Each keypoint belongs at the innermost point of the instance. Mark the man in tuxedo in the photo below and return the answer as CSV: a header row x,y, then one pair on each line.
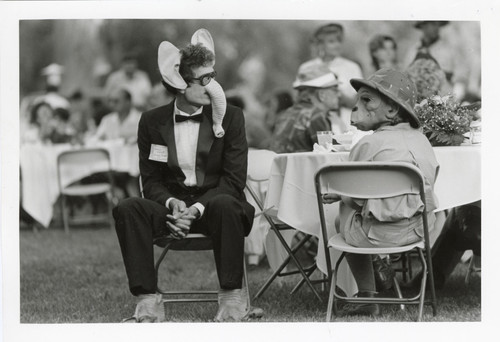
x,y
193,183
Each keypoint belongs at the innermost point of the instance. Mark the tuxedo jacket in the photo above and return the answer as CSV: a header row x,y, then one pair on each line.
x,y
221,163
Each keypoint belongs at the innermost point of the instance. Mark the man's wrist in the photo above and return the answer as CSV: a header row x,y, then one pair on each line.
x,y
200,209
168,202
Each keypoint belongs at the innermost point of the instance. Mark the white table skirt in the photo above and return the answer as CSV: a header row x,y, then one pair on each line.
x,y
292,195
39,173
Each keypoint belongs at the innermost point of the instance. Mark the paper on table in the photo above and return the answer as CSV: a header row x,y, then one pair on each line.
x,y
330,148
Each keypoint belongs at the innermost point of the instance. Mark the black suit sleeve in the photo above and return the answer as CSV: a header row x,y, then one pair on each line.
x,y
151,171
234,160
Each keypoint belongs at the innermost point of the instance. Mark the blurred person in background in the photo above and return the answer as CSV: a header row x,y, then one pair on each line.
x,y
38,127
383,52
276,105
448,59
461,232
258,136
159,96
122,123
98,109
428,77
327,41
48,125
52,78
80,118
130,77
316,109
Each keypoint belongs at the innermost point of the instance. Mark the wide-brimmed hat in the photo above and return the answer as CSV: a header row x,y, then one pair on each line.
x,y
395,85
315,76
419,24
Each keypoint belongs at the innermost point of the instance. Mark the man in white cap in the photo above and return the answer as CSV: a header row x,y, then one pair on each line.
x,y
327,41
129,76
316,109
193,178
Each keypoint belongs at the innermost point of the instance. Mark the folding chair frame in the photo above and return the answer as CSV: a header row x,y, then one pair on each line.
x,y
192,242
198,242
109,194
423,251
276,228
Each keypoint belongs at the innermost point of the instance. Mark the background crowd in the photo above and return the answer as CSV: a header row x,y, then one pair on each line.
x,y
111,68
92,79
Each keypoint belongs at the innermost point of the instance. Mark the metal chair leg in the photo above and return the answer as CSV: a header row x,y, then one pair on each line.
x,y
404,266
158,263
331,299
422,286
431,280
245,283
64,212
109,197
309,271
397,289
291,256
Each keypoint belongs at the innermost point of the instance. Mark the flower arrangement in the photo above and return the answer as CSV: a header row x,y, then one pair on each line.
x,y
443,120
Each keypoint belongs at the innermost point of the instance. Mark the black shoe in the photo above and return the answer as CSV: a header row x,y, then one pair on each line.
x,y
362,309
384,274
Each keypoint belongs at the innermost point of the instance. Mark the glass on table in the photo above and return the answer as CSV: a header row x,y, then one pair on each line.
x,y
324,138
475,132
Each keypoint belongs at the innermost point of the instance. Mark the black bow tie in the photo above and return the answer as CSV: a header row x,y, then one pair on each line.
x,y
182,118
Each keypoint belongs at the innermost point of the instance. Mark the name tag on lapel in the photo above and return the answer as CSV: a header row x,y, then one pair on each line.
x,y
159,153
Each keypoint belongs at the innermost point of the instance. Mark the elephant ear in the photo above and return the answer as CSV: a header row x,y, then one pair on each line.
x,y
169,60
203,37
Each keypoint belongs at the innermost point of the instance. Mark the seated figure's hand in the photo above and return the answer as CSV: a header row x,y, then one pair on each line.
x,y
179,223
177,206
330,198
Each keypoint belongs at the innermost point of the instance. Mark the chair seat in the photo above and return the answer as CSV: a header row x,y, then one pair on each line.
x,y
87,189
337,242
192,242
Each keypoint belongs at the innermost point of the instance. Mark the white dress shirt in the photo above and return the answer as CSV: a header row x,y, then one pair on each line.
x,y
186,142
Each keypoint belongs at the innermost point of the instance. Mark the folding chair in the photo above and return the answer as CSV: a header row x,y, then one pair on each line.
x,y
259,164
365,180
192,242
68,162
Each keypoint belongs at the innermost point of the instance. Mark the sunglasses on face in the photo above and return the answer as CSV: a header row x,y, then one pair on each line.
x,y
205,79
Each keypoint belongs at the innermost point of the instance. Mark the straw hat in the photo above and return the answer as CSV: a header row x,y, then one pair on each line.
x,y
315,76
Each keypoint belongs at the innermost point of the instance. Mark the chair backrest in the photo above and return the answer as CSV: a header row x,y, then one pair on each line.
x,y
369,179
259,166
365,180
73,161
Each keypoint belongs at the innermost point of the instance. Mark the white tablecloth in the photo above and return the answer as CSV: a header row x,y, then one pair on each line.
x,y
39,173
292,197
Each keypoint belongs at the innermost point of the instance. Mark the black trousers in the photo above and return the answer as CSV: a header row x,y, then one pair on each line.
x,y
138,221
461,232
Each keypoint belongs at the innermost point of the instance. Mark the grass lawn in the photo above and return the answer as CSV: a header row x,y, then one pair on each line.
x,y
80,278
